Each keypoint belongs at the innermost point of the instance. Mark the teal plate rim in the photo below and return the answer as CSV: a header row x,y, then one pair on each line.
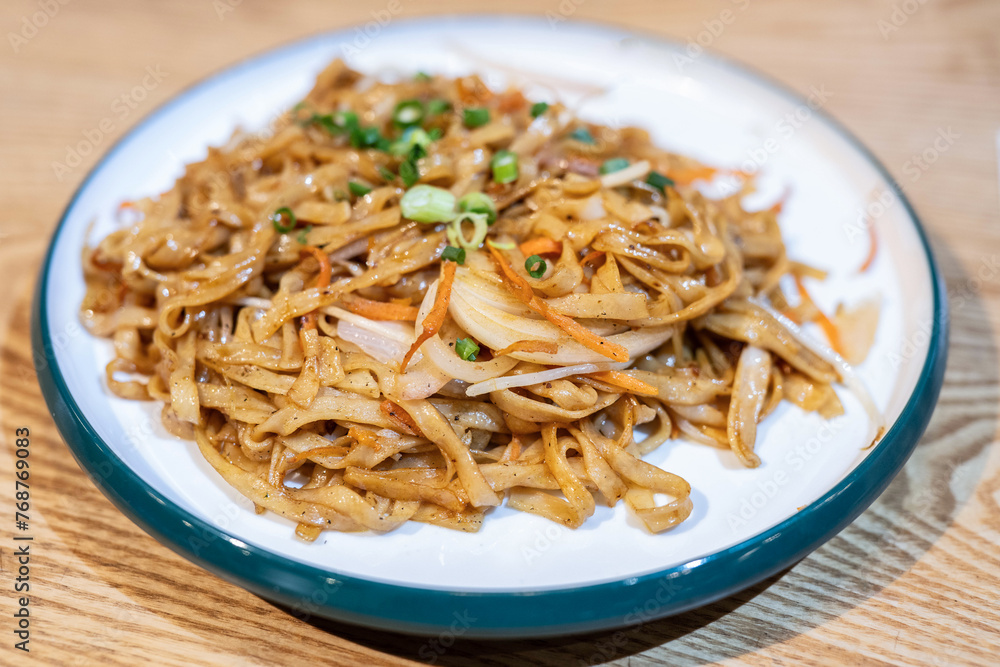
x,y
310,591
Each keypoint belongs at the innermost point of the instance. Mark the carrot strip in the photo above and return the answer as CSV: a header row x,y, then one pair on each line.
x,y
581,334
625,381
322,280
325,270
543,346
435,318
380,310
872,248
592,257
399,416
824,322
541,246
692,174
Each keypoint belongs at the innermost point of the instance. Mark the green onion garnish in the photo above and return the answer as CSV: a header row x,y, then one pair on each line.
x,y
421,76
476,117
284,213
539,266
345,119
614,164
582,135
538,108
408,112
659,181
358,189
438,106
453,254
478,202
365,137
408,172
301,238
413,138
435,133
504,165
466,348
456,231
426,203
386,174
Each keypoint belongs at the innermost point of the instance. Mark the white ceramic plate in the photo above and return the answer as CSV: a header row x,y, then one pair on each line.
x,y
522,575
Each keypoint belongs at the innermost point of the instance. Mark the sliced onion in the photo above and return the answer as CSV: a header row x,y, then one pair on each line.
x,y
474,311
525,379
593,209
382,341
626,175
446,359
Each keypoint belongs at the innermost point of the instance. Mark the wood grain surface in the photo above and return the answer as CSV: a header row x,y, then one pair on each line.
x,y
915,580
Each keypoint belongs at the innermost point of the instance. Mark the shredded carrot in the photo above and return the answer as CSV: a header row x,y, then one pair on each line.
x,y
592,257
400,417
692,174
322,280
872,247
325,270
543,346
824,322
331,450
513,450
363,437
520,287
512,100
625,381
435,318
380,310
541,246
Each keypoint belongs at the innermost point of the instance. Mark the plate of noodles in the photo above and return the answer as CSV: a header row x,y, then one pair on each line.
x,y
418,336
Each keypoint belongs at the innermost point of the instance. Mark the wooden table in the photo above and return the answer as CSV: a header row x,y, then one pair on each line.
x,y
916,579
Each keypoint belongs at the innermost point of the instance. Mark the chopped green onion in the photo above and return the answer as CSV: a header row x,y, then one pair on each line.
x,y
412,138
301,238
435,133
386,174
614,164
365,137
466,349
358,189
281,213
345,119
453,254
659,181
426,203
478,202
408,112
538,108
300,105
456,232
502,245
408,172
504,165
476,117
421,76
582,135
438,106
538,263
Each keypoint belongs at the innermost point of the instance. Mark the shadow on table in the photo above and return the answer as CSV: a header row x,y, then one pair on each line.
x,y
879,547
